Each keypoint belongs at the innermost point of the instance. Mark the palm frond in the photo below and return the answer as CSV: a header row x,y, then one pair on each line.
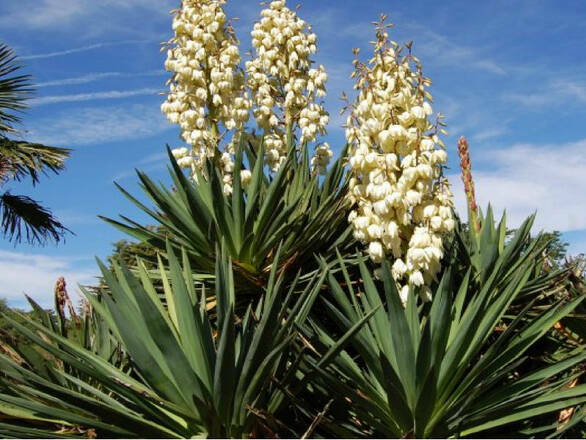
x,y
24,218
15,90
19,160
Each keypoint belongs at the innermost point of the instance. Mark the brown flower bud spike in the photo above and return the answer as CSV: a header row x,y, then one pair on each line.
x,y
466,167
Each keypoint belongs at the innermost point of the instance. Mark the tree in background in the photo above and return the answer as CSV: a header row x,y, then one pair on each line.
x,y
23,218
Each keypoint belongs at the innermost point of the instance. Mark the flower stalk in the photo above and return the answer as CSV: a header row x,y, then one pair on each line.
x,y
466,169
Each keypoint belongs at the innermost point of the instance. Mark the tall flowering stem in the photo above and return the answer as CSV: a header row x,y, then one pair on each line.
x,y
284,86
466,168
207,96
402,204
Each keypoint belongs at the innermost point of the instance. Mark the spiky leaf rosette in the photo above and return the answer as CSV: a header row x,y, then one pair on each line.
x,y
458,367
198,370
306,215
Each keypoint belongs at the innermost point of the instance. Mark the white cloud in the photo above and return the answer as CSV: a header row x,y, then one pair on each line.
x,y
429,45
526,178
70,217
572,88
93,77
466,115
83,49
58,14
149,169
112,94
154,158
434,46
528,99
443,51
152,162
85,79
557,92
488,134
44,13
36,274
87,126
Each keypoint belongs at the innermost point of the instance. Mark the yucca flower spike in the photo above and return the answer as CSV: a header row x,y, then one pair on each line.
x,y
285,86
402,202
207,96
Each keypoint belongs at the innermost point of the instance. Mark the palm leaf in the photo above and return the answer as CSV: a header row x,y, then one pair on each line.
x,y
15,90
24,159
25,219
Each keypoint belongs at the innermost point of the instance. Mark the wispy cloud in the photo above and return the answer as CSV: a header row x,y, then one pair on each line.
x,y
528,99
153,158
70,218
113,94
150,168
93,77
575,89
444,51
525,178
88,126
429,44
83,49
16,269
469,114
560,92
52,14
489,134
153,162
40,14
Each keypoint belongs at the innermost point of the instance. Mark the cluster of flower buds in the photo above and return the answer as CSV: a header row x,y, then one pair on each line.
x,y
183,157
402,204
321,158
283,83
207,89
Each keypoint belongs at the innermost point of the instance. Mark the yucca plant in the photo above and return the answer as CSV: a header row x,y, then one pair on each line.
x,y
293,209
83,327
480,250
191,374
256,314
457,367
550,283
252,191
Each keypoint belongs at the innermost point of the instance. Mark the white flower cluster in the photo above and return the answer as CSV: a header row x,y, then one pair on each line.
x,y
207,89
321,158
283,83
402,204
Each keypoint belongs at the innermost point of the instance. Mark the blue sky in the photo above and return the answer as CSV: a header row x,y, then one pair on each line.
x,y
510,75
